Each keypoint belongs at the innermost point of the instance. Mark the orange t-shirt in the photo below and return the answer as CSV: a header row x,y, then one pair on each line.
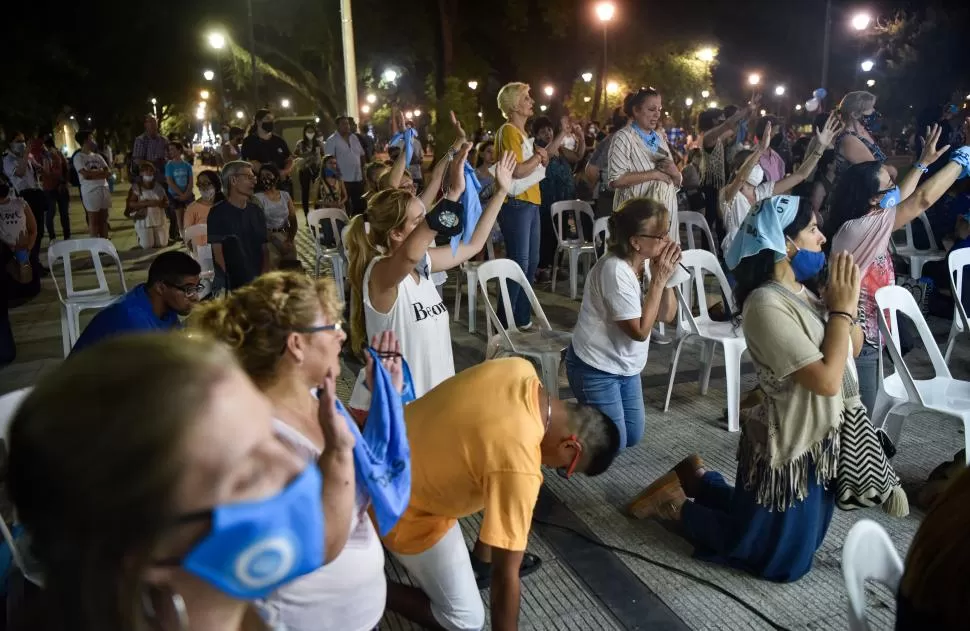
x,y
474,444
197,213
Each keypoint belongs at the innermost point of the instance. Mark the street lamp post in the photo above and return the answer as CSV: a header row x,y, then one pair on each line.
x,y
350,59
604,11
252,54
860,22
218,42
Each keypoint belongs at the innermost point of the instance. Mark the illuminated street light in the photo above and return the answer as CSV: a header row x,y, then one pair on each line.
x,y
867,65
706,54
779,90
365,109
409,115
473,85
285,104
549,90
481,115
217,40
860,21
200,115
871,82
705,94
542,108
372,98
317,119
612,87
754,78
587,99
688,101
587,77
208,75
154,101
389,75
605,11
798,107
712,105
204,94
763,112
417,113
240,114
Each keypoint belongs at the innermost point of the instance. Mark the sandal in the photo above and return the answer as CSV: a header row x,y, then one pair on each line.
x,y
483,570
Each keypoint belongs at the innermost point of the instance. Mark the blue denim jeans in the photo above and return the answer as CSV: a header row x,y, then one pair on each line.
x,y
618,397
867,365
519,222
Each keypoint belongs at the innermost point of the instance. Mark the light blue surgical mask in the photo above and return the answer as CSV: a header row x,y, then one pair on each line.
x,y
891,198
255,547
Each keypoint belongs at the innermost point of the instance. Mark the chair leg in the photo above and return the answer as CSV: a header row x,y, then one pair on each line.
x,y
472,300
573,272
65,332
732,370
673,370
458,295
550,372
916,267
950,343
556,260
707,362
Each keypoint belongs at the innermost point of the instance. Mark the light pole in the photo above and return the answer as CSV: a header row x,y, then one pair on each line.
x,y
350,59
218,42
780,93
604,11
860,22
826,42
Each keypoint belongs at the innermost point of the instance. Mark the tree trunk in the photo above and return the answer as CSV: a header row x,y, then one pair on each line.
x,y
447,17
599,91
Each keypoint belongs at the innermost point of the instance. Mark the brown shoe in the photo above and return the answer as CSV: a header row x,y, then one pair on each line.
x,y
689,471
661,499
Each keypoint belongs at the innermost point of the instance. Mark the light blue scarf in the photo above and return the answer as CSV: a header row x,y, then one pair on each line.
x,y
382,456
650,139
472,205
763,229
408,137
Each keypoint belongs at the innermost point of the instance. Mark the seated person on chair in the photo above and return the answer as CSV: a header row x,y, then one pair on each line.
x,y
171,291
478,441
236,228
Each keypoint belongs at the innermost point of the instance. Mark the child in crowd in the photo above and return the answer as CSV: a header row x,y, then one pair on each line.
x,y
93,174
146,205
178,175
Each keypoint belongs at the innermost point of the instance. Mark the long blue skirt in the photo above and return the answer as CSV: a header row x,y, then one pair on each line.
x,y
726,525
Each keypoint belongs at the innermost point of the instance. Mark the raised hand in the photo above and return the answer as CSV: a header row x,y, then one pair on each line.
x,y
930,153
765,141
336,435
456,172
503,171
543,155
842,291
459,131
388,348
833,127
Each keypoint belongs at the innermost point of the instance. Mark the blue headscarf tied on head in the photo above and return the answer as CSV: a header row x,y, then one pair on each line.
x,y
763,229
651,139
472,206
408,137
382,456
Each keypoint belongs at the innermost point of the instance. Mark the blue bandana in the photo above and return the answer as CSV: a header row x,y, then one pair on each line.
x,y
472,206
382,456
962,157
763,229
407,136
650,139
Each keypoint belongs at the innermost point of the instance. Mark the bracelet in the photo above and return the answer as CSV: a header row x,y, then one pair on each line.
x,y
845,315
922,167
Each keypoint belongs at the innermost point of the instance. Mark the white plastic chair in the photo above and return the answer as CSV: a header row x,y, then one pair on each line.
x,y
574,247
958,261
693,220
916,256
9,403
540,343
899,394
471,280
711,333
335,255
73,301
192,233
868,554
601,236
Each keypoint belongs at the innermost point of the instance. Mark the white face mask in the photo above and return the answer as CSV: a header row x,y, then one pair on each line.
x,y
148,179
756,176
310,135
207,194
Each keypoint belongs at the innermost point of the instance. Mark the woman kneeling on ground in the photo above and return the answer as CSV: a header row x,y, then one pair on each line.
x,y
775,519
612,333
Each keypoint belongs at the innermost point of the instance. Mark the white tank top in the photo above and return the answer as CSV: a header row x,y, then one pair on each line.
x,y
419,318
156,214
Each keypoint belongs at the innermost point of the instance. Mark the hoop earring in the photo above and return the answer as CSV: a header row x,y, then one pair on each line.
x,y
178,608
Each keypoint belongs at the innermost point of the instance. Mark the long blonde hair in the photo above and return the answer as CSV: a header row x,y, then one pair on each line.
x,y
386,211
256,320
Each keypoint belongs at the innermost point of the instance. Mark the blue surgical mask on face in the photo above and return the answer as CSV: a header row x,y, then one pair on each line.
x,y
255,547
806,264
327,172
891,198
871,121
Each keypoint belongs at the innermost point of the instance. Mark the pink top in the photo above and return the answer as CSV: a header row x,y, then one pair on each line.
x,y
773,165
867,240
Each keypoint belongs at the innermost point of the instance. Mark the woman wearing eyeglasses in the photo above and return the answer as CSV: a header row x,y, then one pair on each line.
x,y
641,163
867,207
612,333
285,329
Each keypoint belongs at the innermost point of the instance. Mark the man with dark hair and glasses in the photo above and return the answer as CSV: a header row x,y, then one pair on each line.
x,y
171,291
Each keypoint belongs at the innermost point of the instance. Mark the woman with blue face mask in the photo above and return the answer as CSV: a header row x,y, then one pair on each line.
x,y
858,142
173,503
771,523
867,207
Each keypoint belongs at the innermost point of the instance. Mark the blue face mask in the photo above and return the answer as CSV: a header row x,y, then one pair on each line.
x,y
872,121
891,198
806,265
329,173
255,547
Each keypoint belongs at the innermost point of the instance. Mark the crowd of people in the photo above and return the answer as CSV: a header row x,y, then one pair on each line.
x,y
261,501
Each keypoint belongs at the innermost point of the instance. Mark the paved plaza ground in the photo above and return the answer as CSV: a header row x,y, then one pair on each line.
x,y
582,586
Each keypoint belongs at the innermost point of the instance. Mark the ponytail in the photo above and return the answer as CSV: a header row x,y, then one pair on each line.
x,y
360,252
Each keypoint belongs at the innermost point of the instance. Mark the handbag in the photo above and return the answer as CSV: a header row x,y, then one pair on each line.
x,y
521,185
864,476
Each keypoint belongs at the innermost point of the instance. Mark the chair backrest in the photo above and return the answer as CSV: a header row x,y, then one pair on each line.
x,y
699,263
203,254
95,247
601,235
579,208
958,261
868,554
892,300
691,220
333,215
929,233
505,270
194,232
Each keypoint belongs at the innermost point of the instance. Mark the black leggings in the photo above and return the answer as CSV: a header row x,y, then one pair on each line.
x,y
306,180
